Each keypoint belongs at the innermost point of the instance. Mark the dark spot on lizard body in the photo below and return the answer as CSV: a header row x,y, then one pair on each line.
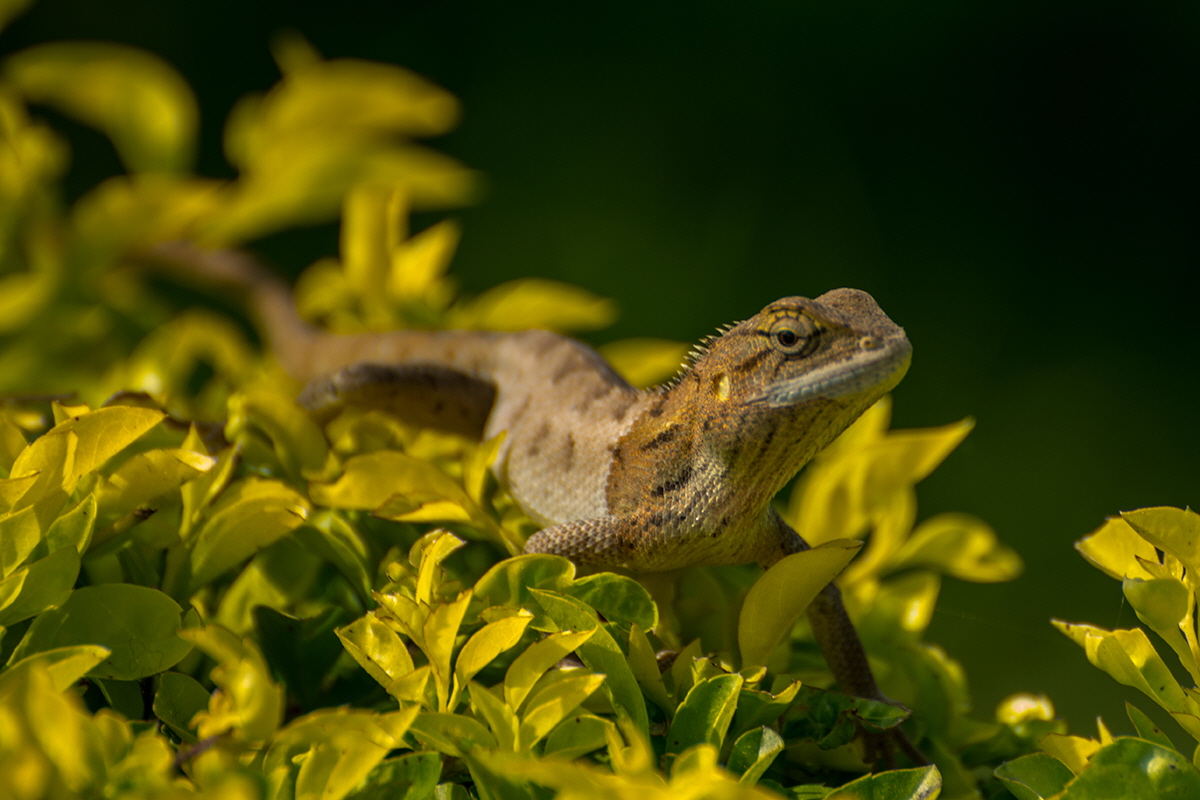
x,y
621,409
535,442
664,436
751,362
656,410
568,452
674,484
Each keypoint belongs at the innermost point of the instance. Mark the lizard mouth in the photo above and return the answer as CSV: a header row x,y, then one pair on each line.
x,y
879,368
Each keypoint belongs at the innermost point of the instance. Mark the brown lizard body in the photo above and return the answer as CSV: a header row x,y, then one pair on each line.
x,y
647,481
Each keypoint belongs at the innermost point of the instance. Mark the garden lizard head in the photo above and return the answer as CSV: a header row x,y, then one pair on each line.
x,y
761,399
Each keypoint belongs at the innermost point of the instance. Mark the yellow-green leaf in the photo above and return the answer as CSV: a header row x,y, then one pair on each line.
x,y
601,654
46,583
499,717
64,665
249,703
781,595
534,303
298,442
147,476
371,479
534,660
1115,548
483,647
440,630
645,669
376,648
1074,751
138,100
453,734
434,547
418,264
551,705
1176,530
137,623
646,362
251,515
19,534
960,545
1130,658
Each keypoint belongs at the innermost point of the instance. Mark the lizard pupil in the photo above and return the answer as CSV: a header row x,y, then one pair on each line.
x,y
786,337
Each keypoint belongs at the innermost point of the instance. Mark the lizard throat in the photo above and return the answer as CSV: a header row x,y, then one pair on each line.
x,y
866,370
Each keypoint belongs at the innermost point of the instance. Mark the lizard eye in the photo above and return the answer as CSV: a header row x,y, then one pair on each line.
x,y
792,335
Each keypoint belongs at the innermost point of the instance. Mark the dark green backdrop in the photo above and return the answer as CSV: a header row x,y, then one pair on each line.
x,y
1015,182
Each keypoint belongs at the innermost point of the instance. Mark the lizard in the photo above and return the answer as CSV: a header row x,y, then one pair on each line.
x,y
639,480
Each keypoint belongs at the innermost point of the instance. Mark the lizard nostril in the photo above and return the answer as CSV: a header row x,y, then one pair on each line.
x,y
869,343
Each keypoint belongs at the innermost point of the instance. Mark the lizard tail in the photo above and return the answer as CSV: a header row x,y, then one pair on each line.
x,y
287,335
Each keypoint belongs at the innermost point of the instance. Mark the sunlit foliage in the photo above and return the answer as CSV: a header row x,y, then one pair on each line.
x,y
204,592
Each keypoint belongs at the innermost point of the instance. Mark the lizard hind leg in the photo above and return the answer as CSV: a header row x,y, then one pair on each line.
x,y
426,395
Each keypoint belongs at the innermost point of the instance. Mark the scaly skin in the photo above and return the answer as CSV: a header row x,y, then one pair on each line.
x,y
645,481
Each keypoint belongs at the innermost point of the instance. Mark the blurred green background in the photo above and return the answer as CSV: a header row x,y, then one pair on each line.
x,y
1016,183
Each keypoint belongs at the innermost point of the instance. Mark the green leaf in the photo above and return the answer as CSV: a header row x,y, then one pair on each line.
x,y
577,735
1133,769
919,783
452,734
331,538
754,752
177,701
145,477
19,534
757,708
482,649
832,719
43,584
298,442
124,697
1145,727
440,631
74,528
138,100
500,717
644,665
601,654
376,648
704,715
782,594
960,545
250,515
618,598
64,665
412,776
1035,776
1163,604
136,623
300,652
510,582
548,707
535,659
434,548
249,704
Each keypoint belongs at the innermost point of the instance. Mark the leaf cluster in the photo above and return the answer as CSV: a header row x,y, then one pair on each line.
x,y
206,592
